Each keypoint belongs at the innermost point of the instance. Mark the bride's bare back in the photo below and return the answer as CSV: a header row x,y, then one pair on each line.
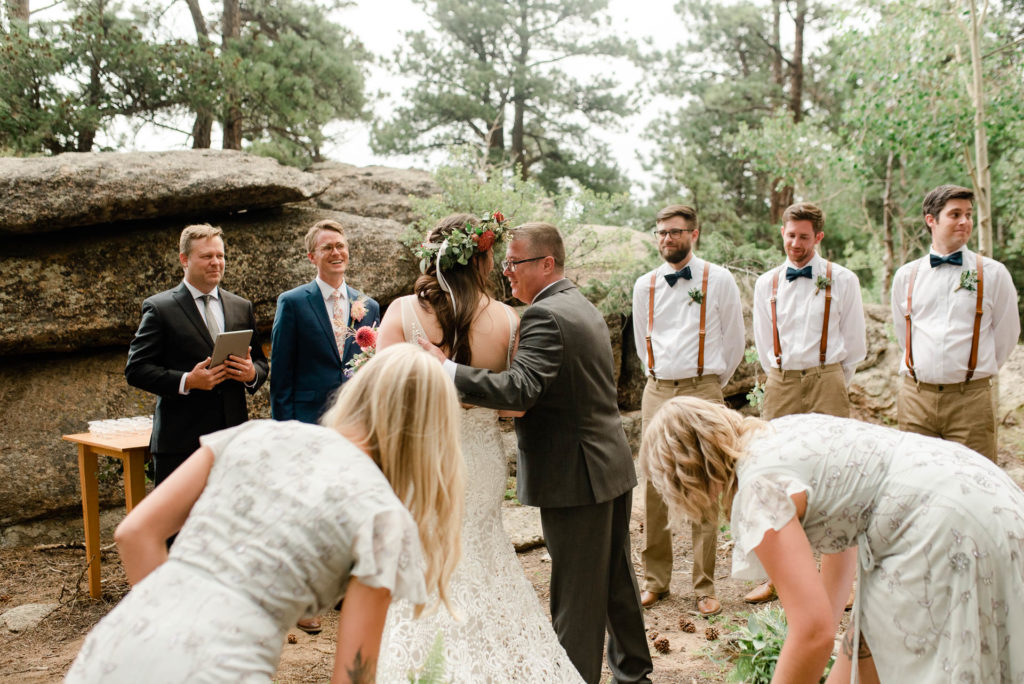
x,y
489,333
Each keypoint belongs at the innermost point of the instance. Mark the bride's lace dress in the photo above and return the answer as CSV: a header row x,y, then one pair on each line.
x,y
504,635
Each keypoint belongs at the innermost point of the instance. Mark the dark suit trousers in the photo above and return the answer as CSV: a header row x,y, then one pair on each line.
x,y
593,586
165,464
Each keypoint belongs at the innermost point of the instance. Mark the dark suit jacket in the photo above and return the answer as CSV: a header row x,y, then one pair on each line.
x,y
307,368
572,449
172,338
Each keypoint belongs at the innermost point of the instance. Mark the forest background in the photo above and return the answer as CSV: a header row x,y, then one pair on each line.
x,y
860,106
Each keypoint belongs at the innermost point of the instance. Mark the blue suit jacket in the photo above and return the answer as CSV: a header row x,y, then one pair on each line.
x,y
304,355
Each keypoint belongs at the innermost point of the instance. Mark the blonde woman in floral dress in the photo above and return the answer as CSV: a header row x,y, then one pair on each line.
x,y
934,531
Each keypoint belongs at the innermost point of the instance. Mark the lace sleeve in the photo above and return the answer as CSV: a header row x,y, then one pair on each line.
x,y
761,504
218,441
387,554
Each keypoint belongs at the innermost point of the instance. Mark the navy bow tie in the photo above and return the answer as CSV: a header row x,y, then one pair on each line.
x,y
794,273
956,258
673,277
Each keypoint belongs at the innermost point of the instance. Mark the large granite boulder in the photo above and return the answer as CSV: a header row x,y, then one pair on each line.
x,y
46,194
373,191
86,290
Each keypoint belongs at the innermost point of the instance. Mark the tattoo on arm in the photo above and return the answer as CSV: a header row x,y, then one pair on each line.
x,y
847,645
362,671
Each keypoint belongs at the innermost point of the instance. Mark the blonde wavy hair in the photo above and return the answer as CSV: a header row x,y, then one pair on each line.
x,y
689,454
403,411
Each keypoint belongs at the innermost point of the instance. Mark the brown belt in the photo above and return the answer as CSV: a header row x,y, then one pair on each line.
x,y
693,382
813,370
947,387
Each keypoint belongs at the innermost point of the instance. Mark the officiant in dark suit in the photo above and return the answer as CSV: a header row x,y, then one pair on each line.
x,y
169,355
310,342
574,461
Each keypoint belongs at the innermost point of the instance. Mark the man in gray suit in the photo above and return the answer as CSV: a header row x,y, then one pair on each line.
x,y
574,462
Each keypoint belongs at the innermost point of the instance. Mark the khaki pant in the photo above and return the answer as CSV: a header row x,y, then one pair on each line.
x,y
657,553
821,389
961,412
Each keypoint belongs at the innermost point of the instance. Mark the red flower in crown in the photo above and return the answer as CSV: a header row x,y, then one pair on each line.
x,y
366,337
486,241
498,216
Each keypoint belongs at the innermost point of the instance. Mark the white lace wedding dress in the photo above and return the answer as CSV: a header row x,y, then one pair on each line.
x,y
504,635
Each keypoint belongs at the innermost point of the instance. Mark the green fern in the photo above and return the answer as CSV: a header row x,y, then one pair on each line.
x,y
432,671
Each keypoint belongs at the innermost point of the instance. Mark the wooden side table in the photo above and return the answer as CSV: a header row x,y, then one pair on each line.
x,y
132,449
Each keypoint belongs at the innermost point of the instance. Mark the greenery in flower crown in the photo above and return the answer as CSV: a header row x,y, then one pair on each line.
x,y
464,243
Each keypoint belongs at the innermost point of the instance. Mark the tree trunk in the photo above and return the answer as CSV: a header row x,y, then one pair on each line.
x,y
777,43
518,96
982,177
202,128
18,10
231,30
889,257
796,82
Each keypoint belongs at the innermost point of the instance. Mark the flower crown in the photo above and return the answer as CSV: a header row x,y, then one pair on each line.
x,y
463,243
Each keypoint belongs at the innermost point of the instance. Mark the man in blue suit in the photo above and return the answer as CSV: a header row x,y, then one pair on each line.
x,y
311,343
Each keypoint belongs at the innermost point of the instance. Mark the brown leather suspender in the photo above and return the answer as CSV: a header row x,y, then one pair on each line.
x,y
972,361
775,319
703,310
978,309
828,305
909,356
650,325
703,316
823,347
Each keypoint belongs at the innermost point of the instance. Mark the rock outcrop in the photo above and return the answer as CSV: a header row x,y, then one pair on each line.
x,y
47,194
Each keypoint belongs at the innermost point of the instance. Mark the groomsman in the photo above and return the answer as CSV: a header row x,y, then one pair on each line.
x,y
808,329
688,326
955,315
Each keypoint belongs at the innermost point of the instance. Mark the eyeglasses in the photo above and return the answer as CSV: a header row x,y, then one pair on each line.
x,y
675,233
327,249
509,265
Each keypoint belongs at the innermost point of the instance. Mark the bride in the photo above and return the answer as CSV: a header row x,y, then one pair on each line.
x,y
502,634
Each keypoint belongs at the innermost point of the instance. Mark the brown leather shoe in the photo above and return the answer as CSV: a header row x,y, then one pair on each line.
x,y
763,593
309,625
649,598
708,606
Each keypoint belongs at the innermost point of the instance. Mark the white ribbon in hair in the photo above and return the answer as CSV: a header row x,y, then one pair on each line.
x,y
445,287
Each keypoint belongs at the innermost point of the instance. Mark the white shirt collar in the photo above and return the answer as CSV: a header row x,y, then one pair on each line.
x,y
326,290
197,293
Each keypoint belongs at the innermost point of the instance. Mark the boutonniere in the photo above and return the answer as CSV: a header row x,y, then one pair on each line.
x,y
968,281
822,283
696,295
366,339
359,308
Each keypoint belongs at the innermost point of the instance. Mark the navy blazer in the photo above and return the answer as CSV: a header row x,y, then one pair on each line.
x,y
307,367
172,338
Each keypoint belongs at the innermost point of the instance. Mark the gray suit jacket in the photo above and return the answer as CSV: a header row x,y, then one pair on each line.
x,y
572,449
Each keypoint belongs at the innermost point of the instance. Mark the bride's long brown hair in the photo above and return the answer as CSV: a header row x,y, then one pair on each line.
x,y
467,283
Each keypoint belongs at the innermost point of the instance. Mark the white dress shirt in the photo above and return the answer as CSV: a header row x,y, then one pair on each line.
x,y
326,290
942,317
675,338
800,312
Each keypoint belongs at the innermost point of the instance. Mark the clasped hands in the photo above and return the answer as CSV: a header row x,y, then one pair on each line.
x,y
234,368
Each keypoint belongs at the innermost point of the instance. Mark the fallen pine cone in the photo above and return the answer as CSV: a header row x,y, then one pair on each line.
x,y
292,639
686,624
662,646
711,633
652,634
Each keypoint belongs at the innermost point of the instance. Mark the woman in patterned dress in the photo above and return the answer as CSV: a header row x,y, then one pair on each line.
x,y
934,531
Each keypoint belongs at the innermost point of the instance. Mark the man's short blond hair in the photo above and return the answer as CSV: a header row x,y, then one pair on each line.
x,y
313,233
542,239
198,231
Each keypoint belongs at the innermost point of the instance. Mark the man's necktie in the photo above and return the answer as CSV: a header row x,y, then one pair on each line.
x,y
673,277
794,273
211,320
956,258
338,322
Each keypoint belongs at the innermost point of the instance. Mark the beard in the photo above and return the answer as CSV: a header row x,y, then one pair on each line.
x,y
674,256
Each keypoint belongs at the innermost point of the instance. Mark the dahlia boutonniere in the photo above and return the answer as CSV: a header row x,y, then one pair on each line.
x,y
359,308
822,283
366,338
968,281
696,295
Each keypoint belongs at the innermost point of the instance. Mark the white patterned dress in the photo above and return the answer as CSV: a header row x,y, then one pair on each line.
x,y
289,513
940,531
504,635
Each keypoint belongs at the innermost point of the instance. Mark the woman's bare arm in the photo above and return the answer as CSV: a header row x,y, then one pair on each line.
x,y
360,626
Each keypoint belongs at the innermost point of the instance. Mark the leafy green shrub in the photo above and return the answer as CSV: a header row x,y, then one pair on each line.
x,y
757,646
